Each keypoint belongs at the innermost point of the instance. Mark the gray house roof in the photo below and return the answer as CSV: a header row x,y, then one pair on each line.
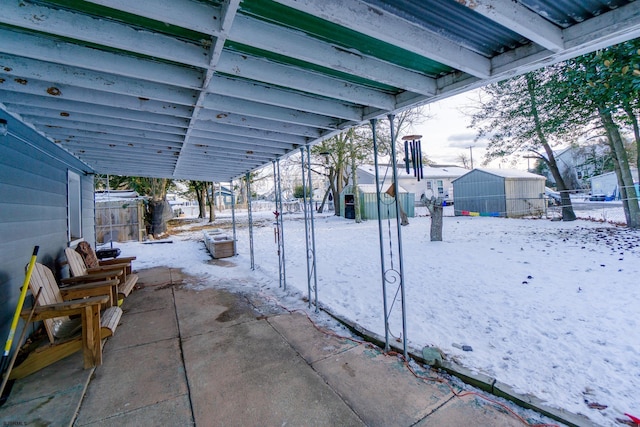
x,y
213,89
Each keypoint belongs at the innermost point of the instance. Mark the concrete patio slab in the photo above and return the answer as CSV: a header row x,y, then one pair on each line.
x,y
147,298
251,376
210,309
145,327
49,397
308,341
172,412
470,411
133,378
379,388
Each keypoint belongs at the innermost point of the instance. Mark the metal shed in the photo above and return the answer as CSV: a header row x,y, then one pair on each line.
x,y
499,192
368,203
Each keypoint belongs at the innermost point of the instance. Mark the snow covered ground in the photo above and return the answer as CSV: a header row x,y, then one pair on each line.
x,y
549,307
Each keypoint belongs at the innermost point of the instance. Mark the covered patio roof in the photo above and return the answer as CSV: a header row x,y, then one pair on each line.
x,y
212,89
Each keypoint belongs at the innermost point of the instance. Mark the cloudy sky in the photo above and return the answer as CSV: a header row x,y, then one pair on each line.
x,y
445,133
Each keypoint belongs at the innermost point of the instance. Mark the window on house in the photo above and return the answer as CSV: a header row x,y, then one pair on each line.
x,y
74,206
429,186
440,187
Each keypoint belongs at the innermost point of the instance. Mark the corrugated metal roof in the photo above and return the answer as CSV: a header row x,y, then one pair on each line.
x,y
213,89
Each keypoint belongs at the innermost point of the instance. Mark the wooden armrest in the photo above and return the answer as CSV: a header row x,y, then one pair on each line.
x,y
121,260
103,275
116,267
109,287
106,284
66,308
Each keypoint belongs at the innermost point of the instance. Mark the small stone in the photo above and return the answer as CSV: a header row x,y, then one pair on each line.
x,y
432,356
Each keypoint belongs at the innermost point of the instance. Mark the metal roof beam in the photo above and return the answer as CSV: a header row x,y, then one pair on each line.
x,y
382,25
281,75
110,141
521,20
201,17
296,44
249,91
89,126
72,55
30,104
115,135
71,93
269,112
48,117
256,123
199,136
238,146
253,133
616,26
30,69
102,32
74,127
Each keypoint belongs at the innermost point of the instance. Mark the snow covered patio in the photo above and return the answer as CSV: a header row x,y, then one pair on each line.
x,y
544,305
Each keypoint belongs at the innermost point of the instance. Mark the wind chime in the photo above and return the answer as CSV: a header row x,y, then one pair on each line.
x,y
413,155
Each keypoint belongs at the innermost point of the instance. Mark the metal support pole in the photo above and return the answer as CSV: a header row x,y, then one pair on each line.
x,y
401,266
379,201
279,225
233,215
309,227
250,214
313,231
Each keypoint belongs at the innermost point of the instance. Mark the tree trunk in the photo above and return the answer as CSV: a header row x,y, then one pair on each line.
x,y
632,210
324,199
336,174
200,189
212,211
567,209
435,209
636,131
160,211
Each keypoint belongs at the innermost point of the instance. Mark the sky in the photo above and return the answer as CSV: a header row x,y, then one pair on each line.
x,y
445,132
547,307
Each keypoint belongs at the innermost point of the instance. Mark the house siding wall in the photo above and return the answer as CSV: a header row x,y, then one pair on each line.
x,y
33,208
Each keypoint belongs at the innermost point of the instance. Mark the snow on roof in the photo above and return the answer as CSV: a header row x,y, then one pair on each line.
x,y
371,188
116,195
429,172
511,173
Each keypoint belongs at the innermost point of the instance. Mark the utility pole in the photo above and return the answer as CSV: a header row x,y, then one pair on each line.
x,y
471,155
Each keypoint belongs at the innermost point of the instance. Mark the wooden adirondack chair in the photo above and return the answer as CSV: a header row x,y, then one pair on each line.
x,y
91,259
81,273
68,335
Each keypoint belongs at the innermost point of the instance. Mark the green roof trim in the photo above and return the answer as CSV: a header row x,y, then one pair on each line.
x,y
273,12
130,19
259,53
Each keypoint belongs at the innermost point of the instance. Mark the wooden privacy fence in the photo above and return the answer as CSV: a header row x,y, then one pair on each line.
x,y
120,221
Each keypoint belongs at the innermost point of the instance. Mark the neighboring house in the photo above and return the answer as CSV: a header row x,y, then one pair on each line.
x,y
578,164
46,200
436,180
369,204
499,192
606,185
